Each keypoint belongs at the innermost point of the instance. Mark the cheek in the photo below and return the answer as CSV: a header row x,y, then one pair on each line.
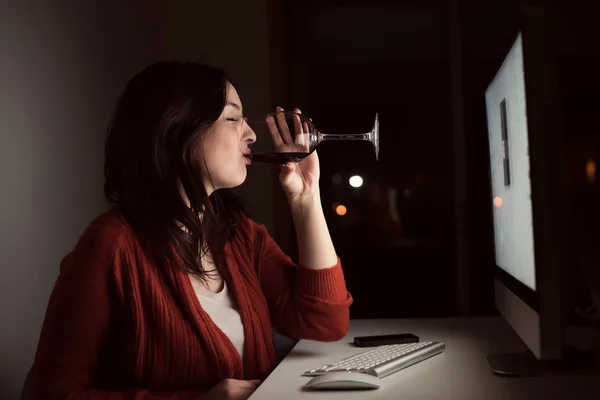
x,y
224,149
232,144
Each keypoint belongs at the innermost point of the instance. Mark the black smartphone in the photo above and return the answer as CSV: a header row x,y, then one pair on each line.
x,y
379,340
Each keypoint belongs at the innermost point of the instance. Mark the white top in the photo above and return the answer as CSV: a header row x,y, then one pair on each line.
x,y
222,309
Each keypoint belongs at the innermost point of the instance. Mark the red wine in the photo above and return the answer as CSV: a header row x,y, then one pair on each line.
x,y
279,158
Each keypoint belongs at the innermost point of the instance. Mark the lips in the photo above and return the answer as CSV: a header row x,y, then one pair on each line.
x,y
248,158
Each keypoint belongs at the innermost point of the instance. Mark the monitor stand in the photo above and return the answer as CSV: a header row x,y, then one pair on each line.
x,y
526,364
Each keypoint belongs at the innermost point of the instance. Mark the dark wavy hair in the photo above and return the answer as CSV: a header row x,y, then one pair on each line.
x,y
153,149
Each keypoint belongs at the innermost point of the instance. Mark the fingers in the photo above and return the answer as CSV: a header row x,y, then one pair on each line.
x,y
249,385
297,122
233,389
280,134
245,389
274,132
283,128
307,141
302,133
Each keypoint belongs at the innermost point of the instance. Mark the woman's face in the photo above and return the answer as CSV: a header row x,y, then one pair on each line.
x,y
225,146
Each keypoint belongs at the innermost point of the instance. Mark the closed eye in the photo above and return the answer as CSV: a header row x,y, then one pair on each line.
x,y
235,119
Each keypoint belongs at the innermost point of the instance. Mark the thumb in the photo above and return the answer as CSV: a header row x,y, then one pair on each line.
x,y
288,166
286,171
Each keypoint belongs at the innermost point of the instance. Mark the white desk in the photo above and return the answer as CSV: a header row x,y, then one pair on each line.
x,y
460,372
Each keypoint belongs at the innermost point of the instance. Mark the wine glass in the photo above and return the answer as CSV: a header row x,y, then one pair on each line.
x,y
287,136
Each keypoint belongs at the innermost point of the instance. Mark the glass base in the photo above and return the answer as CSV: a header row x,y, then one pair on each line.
x,y
375,136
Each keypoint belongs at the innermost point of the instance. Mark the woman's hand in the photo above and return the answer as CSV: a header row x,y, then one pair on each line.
x,y
300,182
300,179
231,389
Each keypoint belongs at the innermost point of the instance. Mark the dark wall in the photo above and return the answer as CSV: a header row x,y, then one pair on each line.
x,y
347,60
359,58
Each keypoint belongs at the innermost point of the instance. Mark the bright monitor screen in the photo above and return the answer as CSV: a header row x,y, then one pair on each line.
x,y
509,169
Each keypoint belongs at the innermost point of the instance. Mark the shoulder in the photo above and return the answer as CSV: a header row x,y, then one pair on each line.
x,y
250,231
251,237
105,236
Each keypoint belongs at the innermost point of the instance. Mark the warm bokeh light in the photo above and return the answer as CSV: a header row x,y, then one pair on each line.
x,y
356,181
341,210
498,201
590,168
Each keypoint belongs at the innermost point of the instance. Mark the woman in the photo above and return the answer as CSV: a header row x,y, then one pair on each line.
x,y
172,294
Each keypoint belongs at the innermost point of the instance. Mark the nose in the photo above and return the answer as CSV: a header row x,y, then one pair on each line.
x,y
249,135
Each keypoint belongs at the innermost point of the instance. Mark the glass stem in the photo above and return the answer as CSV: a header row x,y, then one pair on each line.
x,y
343,136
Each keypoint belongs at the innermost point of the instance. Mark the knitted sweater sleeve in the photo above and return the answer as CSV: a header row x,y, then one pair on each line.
x,y
304,303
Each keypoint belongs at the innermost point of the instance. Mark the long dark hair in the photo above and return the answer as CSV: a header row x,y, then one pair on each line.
x,y
152,150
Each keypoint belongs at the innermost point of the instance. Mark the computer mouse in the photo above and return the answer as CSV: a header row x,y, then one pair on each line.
x,y
343,380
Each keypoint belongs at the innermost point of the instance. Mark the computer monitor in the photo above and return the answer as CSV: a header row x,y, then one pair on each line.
x,y
528,197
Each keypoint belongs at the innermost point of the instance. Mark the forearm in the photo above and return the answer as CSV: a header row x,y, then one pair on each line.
x,y
315,248
308,299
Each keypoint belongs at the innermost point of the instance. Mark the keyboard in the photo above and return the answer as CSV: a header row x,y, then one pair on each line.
x,y
383,360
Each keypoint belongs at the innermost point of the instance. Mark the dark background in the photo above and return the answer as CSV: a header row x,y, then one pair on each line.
x,y
347,60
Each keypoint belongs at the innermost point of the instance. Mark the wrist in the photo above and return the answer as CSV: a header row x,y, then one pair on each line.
x,y
301,206
315,249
